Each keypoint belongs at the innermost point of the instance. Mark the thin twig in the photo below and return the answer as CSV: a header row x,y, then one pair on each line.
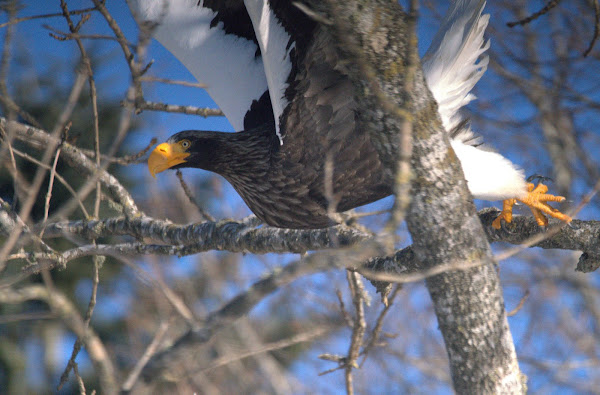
x,y
85,60
265,348
126,159
51,181
358,330
371,342
64,308
58,176
175,300
80,383
148,353
129,58
148,78
8,106
32,316
190,110
45,16
519,305
550,5
63,36
40,139
345,314
203,213
71,364
243,303
27,206
134,93
403,174
97,259
11,8
17,220
14,108
596,28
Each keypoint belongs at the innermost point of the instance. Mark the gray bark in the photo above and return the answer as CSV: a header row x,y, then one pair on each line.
x,y
441,218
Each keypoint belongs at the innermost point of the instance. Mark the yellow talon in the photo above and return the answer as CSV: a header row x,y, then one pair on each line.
x,y
506,213
536,199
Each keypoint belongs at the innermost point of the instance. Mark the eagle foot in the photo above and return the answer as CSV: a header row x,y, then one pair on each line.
x,y
536,199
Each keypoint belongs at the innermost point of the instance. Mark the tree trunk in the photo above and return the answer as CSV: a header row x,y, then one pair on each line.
x,y
441,218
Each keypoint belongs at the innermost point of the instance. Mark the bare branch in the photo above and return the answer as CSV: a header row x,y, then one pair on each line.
x,y
596,28
302,337
243,303
518,306
358,329
71,318
223,235
190,110
240,237
39,139
549,6
49,149
150,351
58,176
375,333
189,84
45,16
203,213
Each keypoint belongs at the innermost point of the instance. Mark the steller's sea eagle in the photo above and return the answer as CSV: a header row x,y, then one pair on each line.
x,y
276,75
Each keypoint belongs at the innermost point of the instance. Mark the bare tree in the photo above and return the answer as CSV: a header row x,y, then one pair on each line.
x,y
92,253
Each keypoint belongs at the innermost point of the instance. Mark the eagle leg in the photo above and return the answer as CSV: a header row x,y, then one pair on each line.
x,y
536,199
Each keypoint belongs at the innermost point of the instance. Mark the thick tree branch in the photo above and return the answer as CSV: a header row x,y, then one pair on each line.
x,y
236,236
223,235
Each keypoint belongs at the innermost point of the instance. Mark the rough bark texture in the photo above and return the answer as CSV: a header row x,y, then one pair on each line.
x,y
582,236
442,218
468,303
373,36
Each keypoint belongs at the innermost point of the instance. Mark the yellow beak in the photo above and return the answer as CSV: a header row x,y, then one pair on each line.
x,y
166,156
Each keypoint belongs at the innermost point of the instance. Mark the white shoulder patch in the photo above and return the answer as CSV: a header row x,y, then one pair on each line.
x,y
226,63
273,41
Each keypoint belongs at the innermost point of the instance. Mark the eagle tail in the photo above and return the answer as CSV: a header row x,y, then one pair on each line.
x,y
454,63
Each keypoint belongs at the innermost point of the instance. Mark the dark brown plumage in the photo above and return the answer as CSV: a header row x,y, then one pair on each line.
x,y
285,184
305,108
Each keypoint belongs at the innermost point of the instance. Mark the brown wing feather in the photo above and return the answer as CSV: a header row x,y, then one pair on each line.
x,y
321,120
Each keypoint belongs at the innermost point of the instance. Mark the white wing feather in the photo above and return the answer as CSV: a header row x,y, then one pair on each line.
x,y
227,64
273,41
453,64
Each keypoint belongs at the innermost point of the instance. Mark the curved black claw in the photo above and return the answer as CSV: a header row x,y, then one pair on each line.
x,y
539,177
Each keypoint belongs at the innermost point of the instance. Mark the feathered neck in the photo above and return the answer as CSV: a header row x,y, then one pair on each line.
x,y
230,153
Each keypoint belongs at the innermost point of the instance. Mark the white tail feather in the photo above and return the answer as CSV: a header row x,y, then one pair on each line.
x,y
453,63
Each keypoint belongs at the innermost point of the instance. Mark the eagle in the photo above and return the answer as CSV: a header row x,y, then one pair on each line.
x,y
300,151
